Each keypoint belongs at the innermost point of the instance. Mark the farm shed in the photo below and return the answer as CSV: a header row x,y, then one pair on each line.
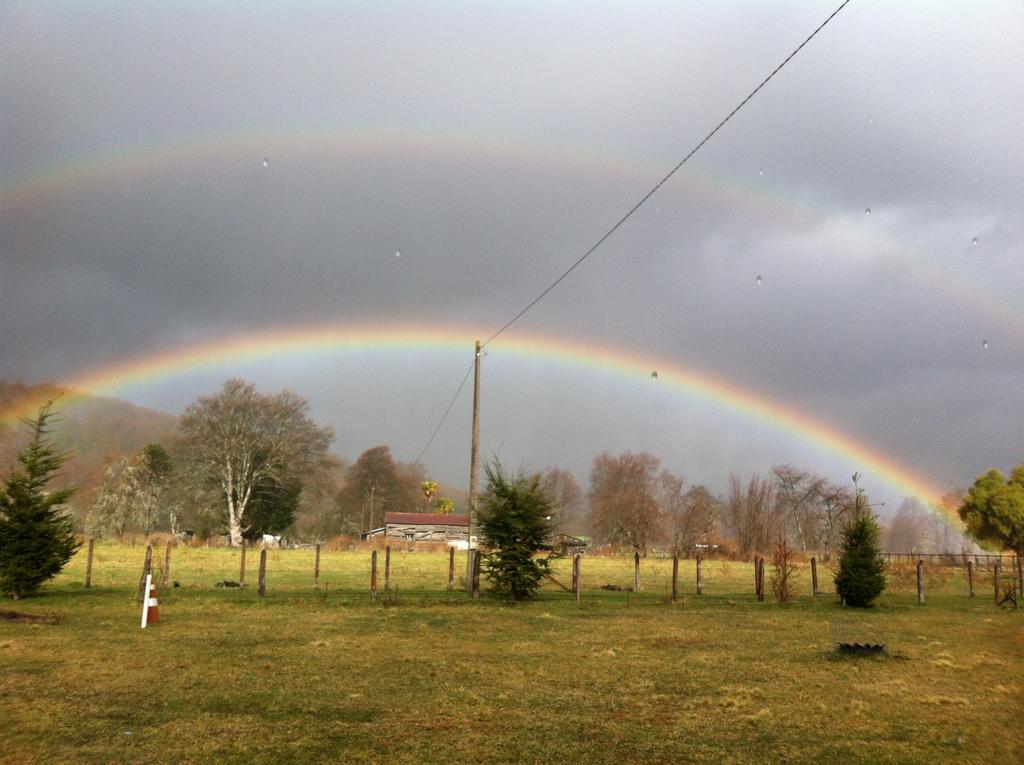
x,y
427,527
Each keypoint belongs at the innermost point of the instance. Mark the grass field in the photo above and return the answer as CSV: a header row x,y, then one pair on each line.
x,y
424,675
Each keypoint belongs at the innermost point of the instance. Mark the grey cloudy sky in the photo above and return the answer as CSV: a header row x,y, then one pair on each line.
x,y
492,143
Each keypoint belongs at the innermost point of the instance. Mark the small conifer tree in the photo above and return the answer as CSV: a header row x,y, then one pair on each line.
x,y
36,538
860,578
514,515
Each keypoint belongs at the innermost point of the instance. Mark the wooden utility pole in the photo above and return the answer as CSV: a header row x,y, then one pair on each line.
x,y
476,577
474,451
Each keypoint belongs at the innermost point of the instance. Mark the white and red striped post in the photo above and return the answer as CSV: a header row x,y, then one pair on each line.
x,y
150,607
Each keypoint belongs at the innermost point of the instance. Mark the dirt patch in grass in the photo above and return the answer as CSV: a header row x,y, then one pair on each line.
x,y
18,616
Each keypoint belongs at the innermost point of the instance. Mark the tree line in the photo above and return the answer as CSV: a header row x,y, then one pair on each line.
x,y
245,460
245,464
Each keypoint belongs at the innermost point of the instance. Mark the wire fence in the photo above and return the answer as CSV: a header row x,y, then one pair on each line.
x,y
433,573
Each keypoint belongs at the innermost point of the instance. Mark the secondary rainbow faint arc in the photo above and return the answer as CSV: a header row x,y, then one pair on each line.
x,y
119,164
328,338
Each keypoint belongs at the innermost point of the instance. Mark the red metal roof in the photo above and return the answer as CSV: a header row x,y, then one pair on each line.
x,y
424,519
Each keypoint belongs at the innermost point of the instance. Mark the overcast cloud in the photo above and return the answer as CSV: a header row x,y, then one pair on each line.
x,y
492,143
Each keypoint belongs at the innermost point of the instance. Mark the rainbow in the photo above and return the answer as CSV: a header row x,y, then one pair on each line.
x,y
25,192
324,339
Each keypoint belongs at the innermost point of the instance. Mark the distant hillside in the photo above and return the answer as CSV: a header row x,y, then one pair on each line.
x,y
92,429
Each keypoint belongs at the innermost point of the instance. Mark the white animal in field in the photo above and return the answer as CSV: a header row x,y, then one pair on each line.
x,y
269,540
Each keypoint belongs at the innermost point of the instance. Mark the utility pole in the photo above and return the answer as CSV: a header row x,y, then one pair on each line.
x,y
474,450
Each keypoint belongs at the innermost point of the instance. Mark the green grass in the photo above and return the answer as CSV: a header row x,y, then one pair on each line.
x,y
424,675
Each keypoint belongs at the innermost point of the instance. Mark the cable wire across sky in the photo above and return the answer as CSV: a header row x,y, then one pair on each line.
x,y
629,214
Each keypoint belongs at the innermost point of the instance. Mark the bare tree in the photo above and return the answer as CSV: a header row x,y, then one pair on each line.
x,y
752,514
798,498
909,529
676,520
623,499
376,484
703,512
690,517
945,537
239,439
566,500
317,517
836,507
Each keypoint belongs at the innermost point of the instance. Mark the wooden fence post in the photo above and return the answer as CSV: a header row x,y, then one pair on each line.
x,y
760,579
1020,580
166,578
576,576
316,568
814,576
451,569
241,567
470,554
263,573
995,580
700,577
757,576
88,563
476,575
636,572
970,577
387,568
147,569
920,582
373,574
675,574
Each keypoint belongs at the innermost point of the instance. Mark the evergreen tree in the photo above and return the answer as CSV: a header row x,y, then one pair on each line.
x,y
272,509
36,537
860,578
514,515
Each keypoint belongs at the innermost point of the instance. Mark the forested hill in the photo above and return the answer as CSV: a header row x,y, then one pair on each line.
x,y
92,429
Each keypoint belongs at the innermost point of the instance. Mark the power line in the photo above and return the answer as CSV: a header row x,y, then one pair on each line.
x,y
665,179
627,216
446,413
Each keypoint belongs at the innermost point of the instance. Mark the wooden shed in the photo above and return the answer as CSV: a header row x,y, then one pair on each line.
x,y
427,527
